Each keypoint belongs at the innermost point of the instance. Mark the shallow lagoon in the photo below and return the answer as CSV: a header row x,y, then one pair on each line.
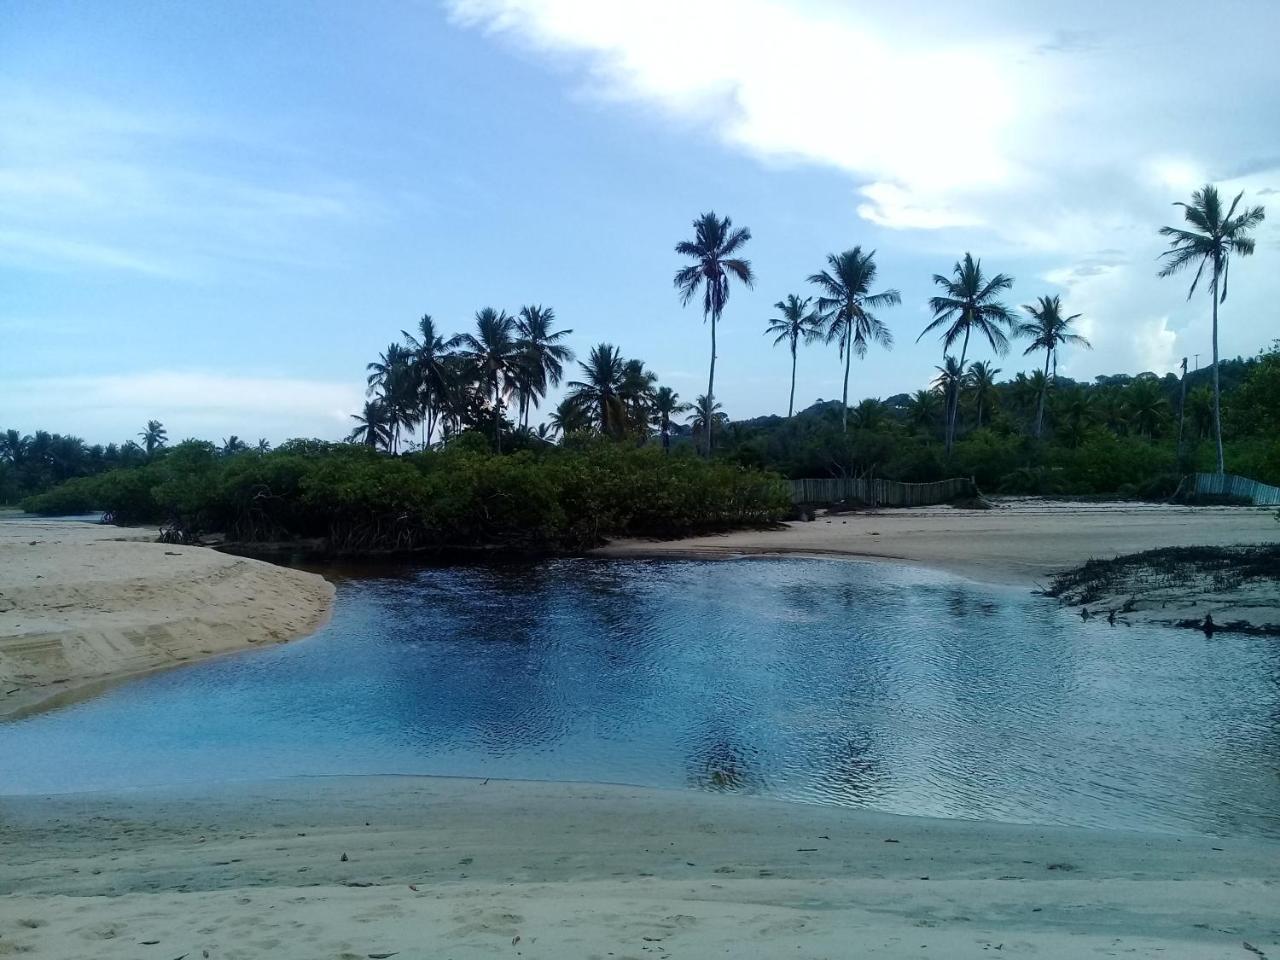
x,y
826,681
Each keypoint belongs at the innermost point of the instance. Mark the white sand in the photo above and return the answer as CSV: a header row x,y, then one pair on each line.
x,y
83,605
457,869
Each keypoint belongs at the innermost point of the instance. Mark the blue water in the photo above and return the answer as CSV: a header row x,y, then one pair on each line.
x,y
825,681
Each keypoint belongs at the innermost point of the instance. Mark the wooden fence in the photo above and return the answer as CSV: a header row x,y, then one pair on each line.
x,y
881,493
1229,485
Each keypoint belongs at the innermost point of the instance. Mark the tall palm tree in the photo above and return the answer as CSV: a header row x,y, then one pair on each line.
x,y
1211,241
153,438
712,249
544,355
797,322
707,416
982,381
600,387
429,358
493,352
666,404
263,445
393,378
232,445
845,307
371,427
948,382
1048,330
969,303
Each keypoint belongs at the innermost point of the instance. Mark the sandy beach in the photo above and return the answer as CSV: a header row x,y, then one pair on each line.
x,y
417,868
1021,542
84,605
375,867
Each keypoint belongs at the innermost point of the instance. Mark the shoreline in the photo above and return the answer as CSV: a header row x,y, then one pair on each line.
x,y
426,867
86,607
1020,543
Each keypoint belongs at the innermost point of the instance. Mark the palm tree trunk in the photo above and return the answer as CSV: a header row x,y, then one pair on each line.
x,y
1217,394
711,380
497,415
1182,410
848,350
791,404
955,395
1044,388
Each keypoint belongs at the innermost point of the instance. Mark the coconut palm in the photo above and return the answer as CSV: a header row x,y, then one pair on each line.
x,y
969,304
845,306
263,445
707,416
712,249
543,355
666,404
371,427
635,390
153,437
1048,330
869,414
600,387
948,382
493,353
797,322
1212,240
13,446
1145,406
981,380
232,445
922,409
570,417
429,359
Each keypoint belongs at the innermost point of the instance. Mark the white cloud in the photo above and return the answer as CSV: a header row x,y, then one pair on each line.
x,y
190,403
1057,135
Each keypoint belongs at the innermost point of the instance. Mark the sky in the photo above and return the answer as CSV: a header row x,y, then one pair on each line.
x,y
216,214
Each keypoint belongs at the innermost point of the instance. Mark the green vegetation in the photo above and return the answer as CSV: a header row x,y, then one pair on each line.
x,y
435,401
463,497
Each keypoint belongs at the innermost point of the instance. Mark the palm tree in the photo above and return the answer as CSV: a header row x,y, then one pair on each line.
x,y
635,390
1145,406
263,445
393,378
666,404
845,308
712,249
371,427
492,350
570,417
707,415
232,445
153,438
948,382
982,381
969,303
922,409
12,447
600,387
543,355
1214,237
868,414
1048,330
797,323
429,358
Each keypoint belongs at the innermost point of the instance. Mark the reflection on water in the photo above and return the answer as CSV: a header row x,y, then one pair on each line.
x,y
824,681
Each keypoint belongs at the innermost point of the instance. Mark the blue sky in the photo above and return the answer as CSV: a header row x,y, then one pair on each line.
x,y
216,214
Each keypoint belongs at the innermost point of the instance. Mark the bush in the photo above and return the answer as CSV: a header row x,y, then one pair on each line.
x,y
462,497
